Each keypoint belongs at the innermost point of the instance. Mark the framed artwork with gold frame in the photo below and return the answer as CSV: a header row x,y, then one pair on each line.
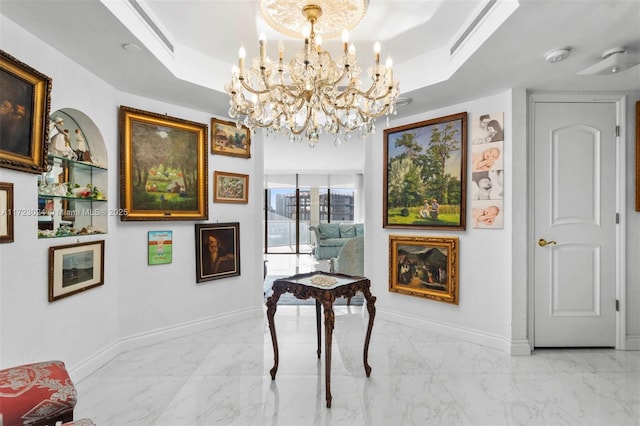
x,y
424,267
425,170
230,187
163,167
6,212
229,139
25,96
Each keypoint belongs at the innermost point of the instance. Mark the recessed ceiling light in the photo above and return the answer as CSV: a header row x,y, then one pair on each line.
x,y
130,47
557,55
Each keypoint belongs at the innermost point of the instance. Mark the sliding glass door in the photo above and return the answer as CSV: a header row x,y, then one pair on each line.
x,y
293,203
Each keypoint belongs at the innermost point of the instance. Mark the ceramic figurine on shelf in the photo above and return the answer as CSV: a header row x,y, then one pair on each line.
x,y
61,142
56,144
81,147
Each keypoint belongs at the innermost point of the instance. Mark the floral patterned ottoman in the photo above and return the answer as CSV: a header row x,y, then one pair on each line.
x,y
36,394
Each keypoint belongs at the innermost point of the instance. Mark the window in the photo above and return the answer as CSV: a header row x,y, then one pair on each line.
x,y
293,203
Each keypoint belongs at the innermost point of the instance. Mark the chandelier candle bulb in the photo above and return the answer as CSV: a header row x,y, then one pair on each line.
x,y
376,50
242,53
262,40
389,64
345,41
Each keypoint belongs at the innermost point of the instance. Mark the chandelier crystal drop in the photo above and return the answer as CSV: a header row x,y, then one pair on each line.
x,y
312,93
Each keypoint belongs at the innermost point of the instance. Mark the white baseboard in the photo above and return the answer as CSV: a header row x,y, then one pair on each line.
x,y
466,334
632,343
86,368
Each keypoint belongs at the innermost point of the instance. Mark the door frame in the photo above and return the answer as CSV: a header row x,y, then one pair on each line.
x,y
620,103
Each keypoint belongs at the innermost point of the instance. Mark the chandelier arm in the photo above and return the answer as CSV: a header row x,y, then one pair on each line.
x,y
251,89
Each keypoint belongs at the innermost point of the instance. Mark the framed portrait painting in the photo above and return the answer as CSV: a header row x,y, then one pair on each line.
x,y
230,187
228,139
425,174
217,251
6,212
163,167
74,268
424,267
25,100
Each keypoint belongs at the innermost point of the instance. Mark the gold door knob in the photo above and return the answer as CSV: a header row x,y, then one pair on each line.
x,y
542,242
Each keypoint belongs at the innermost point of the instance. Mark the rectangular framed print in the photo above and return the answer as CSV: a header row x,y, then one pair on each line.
x,y
74,268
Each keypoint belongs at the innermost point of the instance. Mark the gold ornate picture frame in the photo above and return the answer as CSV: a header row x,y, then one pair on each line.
x,y
230,187
425,172
163,167
25,100
228,139
6,212
424,267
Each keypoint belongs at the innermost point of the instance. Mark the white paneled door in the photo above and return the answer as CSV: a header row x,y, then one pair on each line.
x,y
574,224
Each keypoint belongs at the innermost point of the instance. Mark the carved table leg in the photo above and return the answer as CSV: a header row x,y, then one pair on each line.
x,y
329,320
318,328
371,300
272,302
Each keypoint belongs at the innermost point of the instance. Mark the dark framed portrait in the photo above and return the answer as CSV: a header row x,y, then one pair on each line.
x,y
25,100
217,251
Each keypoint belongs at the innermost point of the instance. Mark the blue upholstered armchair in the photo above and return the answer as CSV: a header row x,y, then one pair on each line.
x,y
350,260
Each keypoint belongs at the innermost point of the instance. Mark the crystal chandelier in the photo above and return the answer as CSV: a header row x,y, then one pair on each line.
x,y
312,93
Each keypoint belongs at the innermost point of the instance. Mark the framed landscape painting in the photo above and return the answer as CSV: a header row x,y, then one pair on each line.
x,y
230,187
163,167
217,251
425,174
25,100
424,267
228,139
74,268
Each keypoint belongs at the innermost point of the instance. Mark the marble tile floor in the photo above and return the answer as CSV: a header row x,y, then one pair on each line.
x,y
221,377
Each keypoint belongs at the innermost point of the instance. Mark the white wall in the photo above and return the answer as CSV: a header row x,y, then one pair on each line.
x,y
137,301
282,156
484,271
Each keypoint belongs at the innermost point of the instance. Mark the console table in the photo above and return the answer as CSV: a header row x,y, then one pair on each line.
x,y
325,288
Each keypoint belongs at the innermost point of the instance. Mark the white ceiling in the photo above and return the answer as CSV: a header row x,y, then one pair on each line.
x,y
206,35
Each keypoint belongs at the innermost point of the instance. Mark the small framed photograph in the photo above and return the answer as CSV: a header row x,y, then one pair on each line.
x,y
74,268
6,212
160,247
228,139
25,96
424,267
230,187
217,251
163,167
